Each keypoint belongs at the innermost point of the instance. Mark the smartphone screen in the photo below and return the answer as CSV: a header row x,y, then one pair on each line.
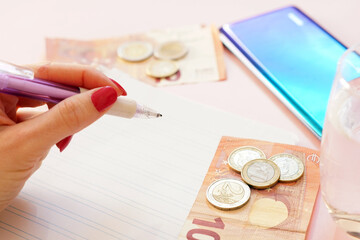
x,y
292,53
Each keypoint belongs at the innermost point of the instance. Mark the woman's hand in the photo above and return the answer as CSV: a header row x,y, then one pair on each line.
x,y
26,138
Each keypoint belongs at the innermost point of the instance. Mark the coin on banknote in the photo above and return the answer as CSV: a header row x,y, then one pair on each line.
x,y
228,193
291,167
260,173
240,156
161,68
135,51
171,50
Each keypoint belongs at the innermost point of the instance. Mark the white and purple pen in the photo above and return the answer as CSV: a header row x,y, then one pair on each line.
x,y
20,81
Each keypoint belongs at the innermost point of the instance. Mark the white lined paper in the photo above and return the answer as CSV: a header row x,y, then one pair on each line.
x,y
127,179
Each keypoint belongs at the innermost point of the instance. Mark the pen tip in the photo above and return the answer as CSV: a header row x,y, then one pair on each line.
x,y
159,115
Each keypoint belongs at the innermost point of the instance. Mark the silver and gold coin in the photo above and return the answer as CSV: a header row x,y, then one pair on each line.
x,y
135,51
161,68
171,50
291,167
260,173
228,193
240,156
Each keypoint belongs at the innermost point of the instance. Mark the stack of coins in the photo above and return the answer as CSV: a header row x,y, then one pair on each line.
x,y
256,171
165,53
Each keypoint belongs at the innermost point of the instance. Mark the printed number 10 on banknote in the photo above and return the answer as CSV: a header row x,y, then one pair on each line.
x,y
280,212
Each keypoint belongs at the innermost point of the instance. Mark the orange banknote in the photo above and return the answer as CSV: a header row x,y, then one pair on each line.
x,y
280,212
203,63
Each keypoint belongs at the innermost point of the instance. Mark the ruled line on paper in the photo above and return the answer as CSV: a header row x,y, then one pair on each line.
x,y
44,225
68,216
102,209
13,232
130,149
174,202
129,202
111,163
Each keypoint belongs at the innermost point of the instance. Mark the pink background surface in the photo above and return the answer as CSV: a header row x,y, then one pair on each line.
x,y
25,25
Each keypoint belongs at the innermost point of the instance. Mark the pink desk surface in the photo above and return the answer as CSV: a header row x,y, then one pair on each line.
x,y
25,24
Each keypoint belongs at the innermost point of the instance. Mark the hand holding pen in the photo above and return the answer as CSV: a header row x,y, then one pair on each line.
x,y
26,137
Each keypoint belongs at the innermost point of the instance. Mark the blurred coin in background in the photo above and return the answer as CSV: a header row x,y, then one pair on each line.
x,y
135,51
171,50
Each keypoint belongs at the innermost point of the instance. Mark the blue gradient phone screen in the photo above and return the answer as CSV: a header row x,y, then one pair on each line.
x,y
295,54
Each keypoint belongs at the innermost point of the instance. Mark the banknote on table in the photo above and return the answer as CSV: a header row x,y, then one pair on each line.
x,y
280,212
202,63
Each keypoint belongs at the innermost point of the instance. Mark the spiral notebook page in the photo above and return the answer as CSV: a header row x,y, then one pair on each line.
x,y
127,179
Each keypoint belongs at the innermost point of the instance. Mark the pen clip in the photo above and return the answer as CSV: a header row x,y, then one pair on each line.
x,y
7,68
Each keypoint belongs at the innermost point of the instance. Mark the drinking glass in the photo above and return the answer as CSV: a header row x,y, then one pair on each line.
x,y
340,145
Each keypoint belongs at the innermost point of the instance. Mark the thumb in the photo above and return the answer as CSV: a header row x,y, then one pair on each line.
x,y
70,116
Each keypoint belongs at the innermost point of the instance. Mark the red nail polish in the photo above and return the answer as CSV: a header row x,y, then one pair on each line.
x,y
103,98
63,143
123,92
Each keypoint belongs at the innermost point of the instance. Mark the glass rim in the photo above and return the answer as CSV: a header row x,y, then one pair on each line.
x,y
341,63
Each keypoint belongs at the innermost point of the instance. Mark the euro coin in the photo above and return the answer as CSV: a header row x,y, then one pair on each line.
x,y
171,50
291,167
135,51
161,68
240,156
228,193
260,173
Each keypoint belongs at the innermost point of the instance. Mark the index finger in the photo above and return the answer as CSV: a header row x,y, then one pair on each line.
x,y
75,75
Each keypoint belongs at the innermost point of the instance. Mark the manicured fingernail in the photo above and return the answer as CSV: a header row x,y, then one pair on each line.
x,y
63,143
103,98
123,92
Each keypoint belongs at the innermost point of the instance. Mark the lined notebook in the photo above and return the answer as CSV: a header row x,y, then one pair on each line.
x,y
127,179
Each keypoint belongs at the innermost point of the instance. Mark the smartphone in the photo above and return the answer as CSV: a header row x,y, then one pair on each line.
x,y
292,55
